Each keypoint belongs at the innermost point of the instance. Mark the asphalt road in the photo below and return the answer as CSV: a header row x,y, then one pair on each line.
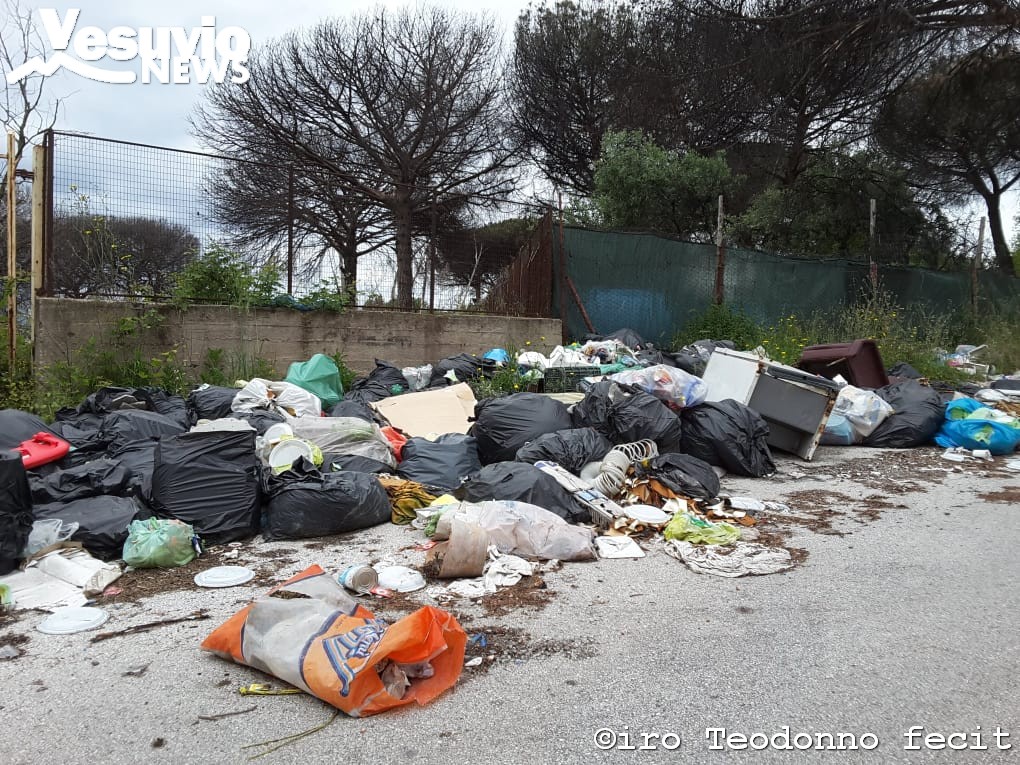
x,y
904,613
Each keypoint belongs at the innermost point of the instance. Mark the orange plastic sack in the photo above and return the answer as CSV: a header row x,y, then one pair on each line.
x,y
396,439
330,647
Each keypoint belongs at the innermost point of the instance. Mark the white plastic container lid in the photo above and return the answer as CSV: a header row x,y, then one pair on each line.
x,y
276,432
646,514
66,621
224,576
400,579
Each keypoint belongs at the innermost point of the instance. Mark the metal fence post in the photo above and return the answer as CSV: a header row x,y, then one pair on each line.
x,y
720,257
290,229
432,260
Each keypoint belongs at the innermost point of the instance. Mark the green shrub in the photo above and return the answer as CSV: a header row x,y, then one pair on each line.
x,y
222,277
720,322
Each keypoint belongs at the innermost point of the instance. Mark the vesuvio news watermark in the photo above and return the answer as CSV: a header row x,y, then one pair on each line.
x,y
169,55
914,738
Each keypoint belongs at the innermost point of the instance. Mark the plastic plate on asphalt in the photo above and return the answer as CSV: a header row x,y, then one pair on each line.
x,y
66,621
224,576
653,516
400,579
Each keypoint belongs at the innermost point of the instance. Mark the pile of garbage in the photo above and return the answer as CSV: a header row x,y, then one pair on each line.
x,y
501,486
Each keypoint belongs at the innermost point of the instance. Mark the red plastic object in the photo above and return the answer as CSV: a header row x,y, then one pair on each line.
x,y
41,449
396,439
858,362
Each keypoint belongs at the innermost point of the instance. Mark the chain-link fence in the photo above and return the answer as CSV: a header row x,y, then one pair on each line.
x,y
126,220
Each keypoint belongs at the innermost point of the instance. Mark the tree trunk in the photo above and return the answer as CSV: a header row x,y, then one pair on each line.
x,y
349,270
1003,257
405,274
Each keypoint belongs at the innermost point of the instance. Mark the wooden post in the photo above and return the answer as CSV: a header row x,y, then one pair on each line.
x,y
12,251
38,219
979,254
720,258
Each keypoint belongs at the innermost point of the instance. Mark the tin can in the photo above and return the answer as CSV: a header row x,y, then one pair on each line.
x,y
359,578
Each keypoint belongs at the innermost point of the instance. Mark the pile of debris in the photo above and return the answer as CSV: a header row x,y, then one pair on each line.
x,y
633,456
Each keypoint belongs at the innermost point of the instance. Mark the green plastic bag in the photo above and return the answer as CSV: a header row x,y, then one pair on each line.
x,y
158,543
318,375
690,528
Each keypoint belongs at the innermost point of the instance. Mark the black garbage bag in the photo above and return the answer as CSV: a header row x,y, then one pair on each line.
x,y
683,473
113,399
464,366
653,357
210,402
83,431
730,435
917,415
628,337
98,476
137,459
127,425
17,426
503,425
333,462
168,405
903,369
260,419
306,503
571,449
210,480
444,462
520,482
384,381
15,510
348,408
102,521
624,413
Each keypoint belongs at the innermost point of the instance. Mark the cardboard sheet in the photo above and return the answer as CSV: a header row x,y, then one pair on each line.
x,y
430,413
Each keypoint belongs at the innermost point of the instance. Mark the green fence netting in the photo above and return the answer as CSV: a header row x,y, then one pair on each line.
x,y
655,284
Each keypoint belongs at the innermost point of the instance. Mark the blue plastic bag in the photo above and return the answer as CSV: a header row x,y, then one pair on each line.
x,y
838,431
996,437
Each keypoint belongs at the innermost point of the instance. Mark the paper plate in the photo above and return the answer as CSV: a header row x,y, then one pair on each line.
x,y
400,579
285,452
66,621
224,576
653,516
274,433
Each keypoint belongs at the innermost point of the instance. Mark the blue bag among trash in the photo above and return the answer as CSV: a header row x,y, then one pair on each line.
x,y
970,424
839,431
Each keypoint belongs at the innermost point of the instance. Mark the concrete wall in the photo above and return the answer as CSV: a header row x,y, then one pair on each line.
x,y
281,335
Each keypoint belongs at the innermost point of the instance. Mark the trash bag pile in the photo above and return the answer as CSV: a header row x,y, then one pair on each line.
x,y
152,479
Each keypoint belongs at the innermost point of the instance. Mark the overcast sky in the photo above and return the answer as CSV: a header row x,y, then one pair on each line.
x,y
157,113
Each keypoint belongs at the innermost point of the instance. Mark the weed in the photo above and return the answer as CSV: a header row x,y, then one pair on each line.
x,y
720,322
347,375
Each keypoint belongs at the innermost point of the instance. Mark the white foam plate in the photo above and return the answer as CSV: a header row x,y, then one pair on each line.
x,y
275,432
400,579
653,516
224,576
284,453
66,621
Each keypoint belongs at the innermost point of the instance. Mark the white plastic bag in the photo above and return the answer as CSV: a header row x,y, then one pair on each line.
x,y
418,378
863,409
669,384
345,435
47,532
523,529
286,398
532,360
567,357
